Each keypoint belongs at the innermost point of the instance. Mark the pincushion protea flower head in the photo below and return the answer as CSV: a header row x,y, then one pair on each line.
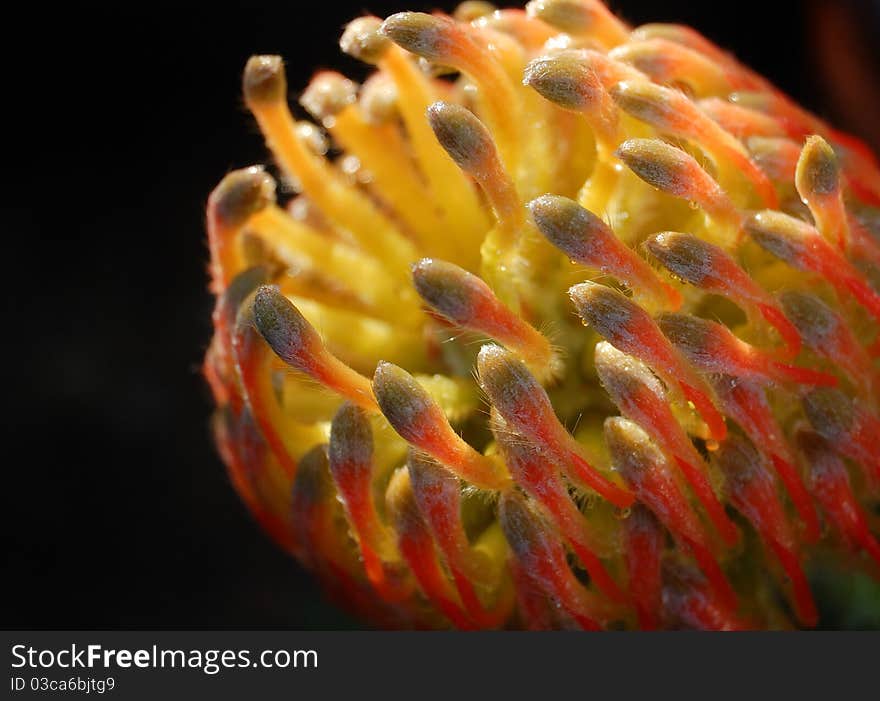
x,y
569,325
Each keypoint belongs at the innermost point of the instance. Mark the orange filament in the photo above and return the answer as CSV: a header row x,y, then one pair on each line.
x,y
240,195
252,357
648,474
586,239
858,164
315,512
817,179
219,366
672,112
689,37
312,504
750,489
713,348
525,406
796,121
581,18
573,80
297,343
692,602
607,68
628,328
582,472
778,157
519,25
699,482
849,425
337,376
416,545
826,333
420,421
351,464
418,549
643,546
861,240
542,557
709,267
801,246
470,145
669,62
742,122
640,398
438,495
744,400
675,172
789,333
829,482
468,302
541,480
860,168
238,439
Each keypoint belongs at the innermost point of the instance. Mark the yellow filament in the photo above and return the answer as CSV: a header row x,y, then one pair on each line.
x,y
502,105
256,375
346,207
454,196
382,150
457,396
365,280
362,341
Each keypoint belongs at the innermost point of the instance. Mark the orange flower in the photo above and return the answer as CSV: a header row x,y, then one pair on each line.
x,y
408,400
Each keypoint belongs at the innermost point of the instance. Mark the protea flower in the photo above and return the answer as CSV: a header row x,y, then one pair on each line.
x,y
568,325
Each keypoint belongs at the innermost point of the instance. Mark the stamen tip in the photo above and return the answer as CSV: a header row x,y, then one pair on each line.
x,y
569,16
461,134
285,329
818,171
568,226
264,80
471,10
364,40
351,441
328,94
417,32
564,79
446,288
658,164
241,194
408,407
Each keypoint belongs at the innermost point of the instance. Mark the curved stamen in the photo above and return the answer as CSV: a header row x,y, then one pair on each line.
x,y
630,329
524,404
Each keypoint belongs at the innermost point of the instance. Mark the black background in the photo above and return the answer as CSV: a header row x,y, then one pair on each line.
x,y
119,121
